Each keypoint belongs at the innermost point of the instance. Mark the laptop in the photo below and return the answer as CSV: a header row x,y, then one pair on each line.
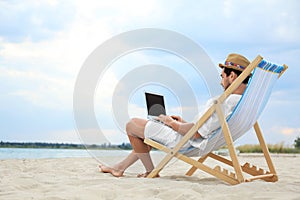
x,y
155,105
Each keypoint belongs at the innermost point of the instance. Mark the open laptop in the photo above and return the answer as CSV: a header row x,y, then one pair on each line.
x,y
155,105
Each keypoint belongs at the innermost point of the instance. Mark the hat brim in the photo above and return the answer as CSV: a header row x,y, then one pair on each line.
x,y
230,67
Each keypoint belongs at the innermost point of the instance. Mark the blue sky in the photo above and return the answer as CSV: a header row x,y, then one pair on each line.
x,y
43,45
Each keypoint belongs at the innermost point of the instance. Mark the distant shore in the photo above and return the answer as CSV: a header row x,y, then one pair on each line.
x,y
46,145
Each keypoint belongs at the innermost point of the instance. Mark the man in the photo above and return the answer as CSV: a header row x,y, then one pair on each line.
x,y
175,127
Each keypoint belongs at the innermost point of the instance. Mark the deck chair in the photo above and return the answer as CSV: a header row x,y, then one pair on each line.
x,y
244,117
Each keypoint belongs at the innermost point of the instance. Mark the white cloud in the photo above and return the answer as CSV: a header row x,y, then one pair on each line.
x,y
103,101
39,88
237,23
137,111
57,136
41,61
227,9
281,133
33,20
290,131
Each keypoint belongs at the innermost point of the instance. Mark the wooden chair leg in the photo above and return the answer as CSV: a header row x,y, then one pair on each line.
x,y
265,150
229,142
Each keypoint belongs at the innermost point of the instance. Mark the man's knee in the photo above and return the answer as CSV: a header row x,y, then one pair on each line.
x,y
133,125
130,125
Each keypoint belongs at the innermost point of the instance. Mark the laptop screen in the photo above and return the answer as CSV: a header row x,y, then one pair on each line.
x,y
155,104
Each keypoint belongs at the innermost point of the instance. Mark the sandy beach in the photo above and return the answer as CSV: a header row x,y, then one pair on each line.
x,y
79,178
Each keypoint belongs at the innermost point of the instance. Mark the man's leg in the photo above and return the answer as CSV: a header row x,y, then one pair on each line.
x,y
135,130
118,169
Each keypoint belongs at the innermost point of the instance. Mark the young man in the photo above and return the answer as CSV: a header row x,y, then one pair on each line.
x,y
175,127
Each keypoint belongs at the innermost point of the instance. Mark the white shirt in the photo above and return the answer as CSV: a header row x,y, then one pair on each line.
x,y
212,123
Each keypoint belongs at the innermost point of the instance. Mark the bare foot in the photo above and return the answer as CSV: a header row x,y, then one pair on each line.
x,y
114,172
144,175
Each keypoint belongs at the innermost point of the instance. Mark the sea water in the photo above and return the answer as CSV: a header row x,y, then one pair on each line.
x,y
28,153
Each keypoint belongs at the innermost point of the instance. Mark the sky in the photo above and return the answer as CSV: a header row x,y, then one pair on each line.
x,y
44,45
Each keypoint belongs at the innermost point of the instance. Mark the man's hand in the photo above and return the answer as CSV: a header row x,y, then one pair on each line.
x,y
165,119
177,118
171,121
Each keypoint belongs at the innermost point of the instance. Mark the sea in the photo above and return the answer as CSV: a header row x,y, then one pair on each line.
x,y
28,153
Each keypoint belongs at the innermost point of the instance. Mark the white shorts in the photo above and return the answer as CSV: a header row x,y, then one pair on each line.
x,y
163,134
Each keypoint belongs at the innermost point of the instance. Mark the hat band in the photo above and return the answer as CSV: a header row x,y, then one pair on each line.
x,y
227,63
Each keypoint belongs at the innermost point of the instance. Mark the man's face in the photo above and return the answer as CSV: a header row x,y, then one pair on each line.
x,y
226,80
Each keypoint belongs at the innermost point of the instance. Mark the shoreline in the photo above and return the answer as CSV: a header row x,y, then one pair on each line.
x,y
125,152
45,152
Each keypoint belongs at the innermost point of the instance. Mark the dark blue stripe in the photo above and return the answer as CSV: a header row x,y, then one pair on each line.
x,y
270,66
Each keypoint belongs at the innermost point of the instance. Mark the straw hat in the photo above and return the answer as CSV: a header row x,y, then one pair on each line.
x,y
235,61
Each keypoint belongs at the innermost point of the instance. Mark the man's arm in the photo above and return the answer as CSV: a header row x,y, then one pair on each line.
x,y
179,125
183,128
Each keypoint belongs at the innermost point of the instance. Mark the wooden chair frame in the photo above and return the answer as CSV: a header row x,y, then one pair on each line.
x,y
237,176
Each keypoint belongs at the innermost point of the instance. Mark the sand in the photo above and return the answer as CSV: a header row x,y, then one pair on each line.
x,y
79,178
